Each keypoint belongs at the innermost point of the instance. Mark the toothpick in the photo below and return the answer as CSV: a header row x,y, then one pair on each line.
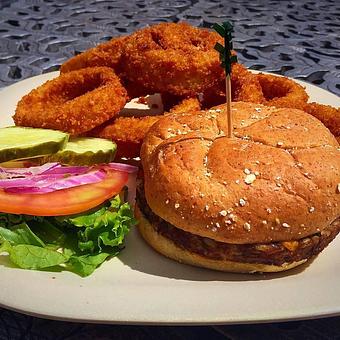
x,y
228,105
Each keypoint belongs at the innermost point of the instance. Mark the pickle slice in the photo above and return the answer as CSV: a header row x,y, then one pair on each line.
x,y
85,151
22,142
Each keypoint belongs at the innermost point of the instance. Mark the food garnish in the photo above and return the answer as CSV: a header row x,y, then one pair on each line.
x,y
78,243
71,217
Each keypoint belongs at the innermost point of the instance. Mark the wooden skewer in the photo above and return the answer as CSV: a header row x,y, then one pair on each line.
x,y
228,104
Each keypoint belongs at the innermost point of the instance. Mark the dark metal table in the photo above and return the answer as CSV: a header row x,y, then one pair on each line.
x,y
300,39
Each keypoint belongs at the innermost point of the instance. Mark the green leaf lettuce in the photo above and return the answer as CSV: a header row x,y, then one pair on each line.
x,y
78,243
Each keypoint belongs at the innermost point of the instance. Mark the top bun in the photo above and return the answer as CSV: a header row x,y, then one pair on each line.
x,y
278,179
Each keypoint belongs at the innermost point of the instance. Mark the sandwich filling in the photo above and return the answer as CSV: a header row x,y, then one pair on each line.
x,y
275,253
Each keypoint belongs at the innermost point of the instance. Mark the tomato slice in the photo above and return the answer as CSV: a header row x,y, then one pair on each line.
x,y
67,201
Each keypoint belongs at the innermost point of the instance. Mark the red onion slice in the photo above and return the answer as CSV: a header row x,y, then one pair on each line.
x,y
31,171
53,176
16,182
29,190
123,167
59,184
73,170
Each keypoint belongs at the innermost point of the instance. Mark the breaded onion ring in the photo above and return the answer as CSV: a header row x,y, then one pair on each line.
x,y
186,105
244,85
175,58
74,102
127,132
282,91
106,54
285,92
328,115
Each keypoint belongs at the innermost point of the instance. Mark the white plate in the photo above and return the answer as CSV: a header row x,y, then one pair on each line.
x,y
140,286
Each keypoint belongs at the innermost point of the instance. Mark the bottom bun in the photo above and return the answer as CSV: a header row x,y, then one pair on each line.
x,y
166,247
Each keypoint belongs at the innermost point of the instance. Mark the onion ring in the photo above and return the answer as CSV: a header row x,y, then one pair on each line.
x,y
328,115
105,54
285,92
74,102
174,58
127,132
282,92
244,85
187,105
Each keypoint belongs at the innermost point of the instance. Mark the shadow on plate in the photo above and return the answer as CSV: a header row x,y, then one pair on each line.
x,y
6,262
139,256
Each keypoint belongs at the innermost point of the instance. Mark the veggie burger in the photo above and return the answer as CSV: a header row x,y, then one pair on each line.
x,y
266,200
